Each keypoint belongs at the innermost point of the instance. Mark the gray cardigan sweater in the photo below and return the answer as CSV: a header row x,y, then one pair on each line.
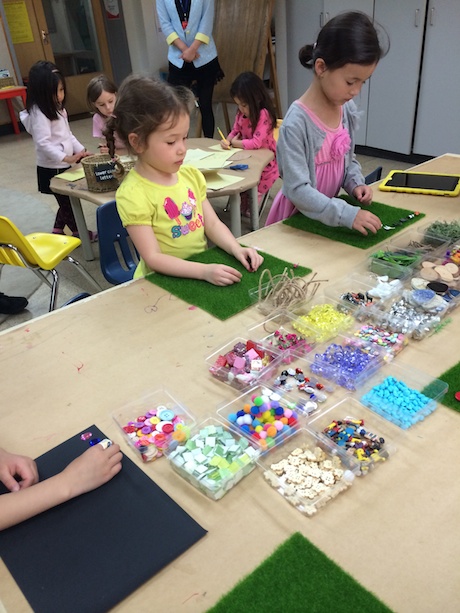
x,y
299,141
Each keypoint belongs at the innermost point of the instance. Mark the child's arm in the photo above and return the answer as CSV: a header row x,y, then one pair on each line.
x,y
146,244
92,469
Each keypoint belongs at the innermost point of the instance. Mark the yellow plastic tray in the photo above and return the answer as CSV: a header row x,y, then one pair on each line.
x,y
435,184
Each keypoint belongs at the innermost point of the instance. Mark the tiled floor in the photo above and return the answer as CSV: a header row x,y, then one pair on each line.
x,y
17,160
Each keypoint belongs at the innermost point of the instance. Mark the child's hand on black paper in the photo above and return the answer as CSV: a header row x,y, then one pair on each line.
x,y
92,469
17,471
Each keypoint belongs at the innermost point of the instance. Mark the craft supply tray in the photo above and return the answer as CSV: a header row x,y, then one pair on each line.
x,y
402,394
241,374
214,459
278,333
368,444
321,319
308,471
395,264
418,240
167,421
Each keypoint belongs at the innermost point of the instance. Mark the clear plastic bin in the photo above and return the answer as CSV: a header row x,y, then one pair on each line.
x,y
151,423
355,430
402,266
418,240
278,333
403,395
347,361
243,362
308,472
214,459
321,319
309,392
262,415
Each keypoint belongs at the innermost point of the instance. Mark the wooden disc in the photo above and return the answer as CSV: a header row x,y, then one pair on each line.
x,y
444,274
428,264
452,268
429,274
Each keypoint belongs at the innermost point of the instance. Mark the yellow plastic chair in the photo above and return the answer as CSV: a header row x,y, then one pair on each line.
x,y
40,252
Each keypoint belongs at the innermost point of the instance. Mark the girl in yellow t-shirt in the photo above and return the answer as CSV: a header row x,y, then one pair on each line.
x,y
162,203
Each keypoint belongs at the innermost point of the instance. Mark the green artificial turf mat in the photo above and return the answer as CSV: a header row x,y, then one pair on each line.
x,y
223,302
452,378
388,215
298,578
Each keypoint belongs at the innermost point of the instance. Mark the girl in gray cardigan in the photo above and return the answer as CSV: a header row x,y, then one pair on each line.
x,y
315,150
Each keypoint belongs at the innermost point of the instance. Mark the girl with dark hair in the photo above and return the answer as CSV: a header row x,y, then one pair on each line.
x,y
253,128
101,95
162,201
45,118
316,143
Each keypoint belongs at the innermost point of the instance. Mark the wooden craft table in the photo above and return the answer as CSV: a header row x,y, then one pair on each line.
x,y
78,190
395,531
7,94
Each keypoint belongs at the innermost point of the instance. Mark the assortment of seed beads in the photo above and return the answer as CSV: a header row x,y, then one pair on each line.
x,y
348,364
152,432
243,364
350,434
322,322
266,418
214,459
308,478
392,342
398,403
293,379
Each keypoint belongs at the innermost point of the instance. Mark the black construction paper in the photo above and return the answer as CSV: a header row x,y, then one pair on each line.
x,y
88,554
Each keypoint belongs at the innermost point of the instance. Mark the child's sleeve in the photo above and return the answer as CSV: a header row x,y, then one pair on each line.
x,y
133,206
236,127
261,135
98,126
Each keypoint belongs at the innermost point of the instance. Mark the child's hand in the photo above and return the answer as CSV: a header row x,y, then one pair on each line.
x,y
220,274
363,193
237,142
365,220
12,465
225,144
93,468
249,257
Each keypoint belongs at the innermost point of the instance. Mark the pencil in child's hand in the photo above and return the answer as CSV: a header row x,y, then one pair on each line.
x,y
226,142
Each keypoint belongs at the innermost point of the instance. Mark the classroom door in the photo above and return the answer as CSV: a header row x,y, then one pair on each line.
x,y
69,33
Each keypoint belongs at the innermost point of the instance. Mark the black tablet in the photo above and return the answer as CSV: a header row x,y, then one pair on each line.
x,y
421,183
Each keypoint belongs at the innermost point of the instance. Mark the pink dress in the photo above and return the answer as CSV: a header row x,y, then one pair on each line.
x,y
260,138
98,131
329,167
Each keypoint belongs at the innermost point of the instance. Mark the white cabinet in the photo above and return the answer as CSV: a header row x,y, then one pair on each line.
x,y
394,84
437,128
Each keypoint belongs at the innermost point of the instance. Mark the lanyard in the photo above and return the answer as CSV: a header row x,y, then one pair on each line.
x,y
183,9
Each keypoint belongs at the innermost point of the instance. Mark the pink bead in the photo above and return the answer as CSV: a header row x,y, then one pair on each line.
x,y
263,434
278,425
287,413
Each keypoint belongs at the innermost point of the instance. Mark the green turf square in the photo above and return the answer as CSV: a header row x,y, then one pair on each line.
x,y
223,302
298,577
388,215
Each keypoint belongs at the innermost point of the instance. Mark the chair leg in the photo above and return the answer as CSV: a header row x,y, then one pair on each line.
x,y
84,272
54,289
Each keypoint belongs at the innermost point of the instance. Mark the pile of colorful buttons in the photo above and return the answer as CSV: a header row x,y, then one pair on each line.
x,y
393,342
152,432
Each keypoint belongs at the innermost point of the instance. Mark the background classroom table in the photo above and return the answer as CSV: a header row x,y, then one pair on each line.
x,y
395,531
256,161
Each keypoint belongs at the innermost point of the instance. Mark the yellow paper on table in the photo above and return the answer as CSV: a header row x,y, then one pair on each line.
x,y
72,175
209,161
217,181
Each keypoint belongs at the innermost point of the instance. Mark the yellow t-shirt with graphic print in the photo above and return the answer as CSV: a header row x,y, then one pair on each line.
x,y
174,212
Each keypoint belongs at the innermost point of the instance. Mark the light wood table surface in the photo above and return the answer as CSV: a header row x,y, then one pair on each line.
x,y
395,531
257,160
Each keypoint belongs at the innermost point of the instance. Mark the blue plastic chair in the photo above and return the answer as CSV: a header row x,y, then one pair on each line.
x,y
373,176
117,253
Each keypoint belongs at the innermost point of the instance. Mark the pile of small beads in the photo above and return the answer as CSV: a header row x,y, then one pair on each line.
x,y
365,446
243,364
294,379
309,479
398,403
393,342
152,432
214,459
266,419
347,364
288,341
322,322
408,319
